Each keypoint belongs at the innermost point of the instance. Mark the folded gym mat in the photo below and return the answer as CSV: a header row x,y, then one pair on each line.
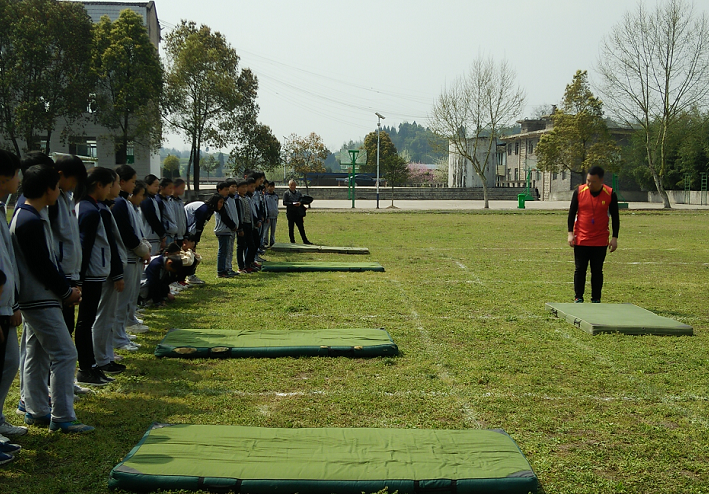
x,y
618,318
318,248
321,266
345,461
224,343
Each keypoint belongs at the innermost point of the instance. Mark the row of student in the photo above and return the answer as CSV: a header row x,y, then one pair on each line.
x,y
58,253
249,214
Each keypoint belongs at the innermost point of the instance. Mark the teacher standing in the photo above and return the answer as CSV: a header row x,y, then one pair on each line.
x,y
295,212
592,206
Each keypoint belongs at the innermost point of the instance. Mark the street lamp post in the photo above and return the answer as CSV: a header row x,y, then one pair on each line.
x,y
379,126
285,140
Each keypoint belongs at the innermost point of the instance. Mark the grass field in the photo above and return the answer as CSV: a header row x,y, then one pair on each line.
x,y
463,296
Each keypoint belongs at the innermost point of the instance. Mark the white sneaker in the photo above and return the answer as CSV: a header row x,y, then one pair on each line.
x,y
116,357
11,430
131,337
139,321
194,280
130,347
137,328
80,390
176,287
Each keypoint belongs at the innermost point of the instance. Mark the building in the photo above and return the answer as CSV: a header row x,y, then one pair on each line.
x,y
92,141
515,162
460,170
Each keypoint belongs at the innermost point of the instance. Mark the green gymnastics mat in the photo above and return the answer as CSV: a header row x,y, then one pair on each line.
x,y
256,460
318,248
617,318
279,267
224,343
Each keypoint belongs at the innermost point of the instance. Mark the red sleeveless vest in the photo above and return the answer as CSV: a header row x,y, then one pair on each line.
x,y
592,218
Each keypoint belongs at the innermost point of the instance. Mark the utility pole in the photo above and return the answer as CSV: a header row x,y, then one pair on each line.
x,y
379,126
285,141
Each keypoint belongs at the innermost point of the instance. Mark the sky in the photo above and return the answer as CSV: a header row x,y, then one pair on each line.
x,y
328,66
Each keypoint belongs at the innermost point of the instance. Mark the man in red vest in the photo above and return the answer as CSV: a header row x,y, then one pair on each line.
x,y
592,204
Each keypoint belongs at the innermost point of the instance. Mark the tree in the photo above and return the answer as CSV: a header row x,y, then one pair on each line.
x,y
171,165
209,163
472,112
207,97
45,68
130,79
654,65
386,149
306,155
257,149
580,137
396,170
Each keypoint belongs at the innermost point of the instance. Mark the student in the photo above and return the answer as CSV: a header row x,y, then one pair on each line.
x,y
10,316
230,205
258,209
152,220
130,226
225,225
246,250
159,275
189,269
43,290
96,266
271,201
199,213
178,208
7,449
111,289
164,199
65,226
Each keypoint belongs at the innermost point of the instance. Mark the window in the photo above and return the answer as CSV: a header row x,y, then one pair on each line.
x,y
555,175
530,146
516,174
517,147
130,156
83,146
563,175
539,175
509,149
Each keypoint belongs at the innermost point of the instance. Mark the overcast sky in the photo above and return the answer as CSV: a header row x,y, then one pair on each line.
x,y
326,66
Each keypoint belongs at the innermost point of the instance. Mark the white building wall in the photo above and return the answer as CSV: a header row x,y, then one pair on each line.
x,y
461,172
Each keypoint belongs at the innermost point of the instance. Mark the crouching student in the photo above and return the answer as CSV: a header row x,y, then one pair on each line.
x,y
49,349
10,316
130,226
190,258
159,275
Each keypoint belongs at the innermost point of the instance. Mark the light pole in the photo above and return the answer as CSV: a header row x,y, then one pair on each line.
x,y
285,140
379,126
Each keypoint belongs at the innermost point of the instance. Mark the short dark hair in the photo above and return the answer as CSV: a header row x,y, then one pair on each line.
x,y
222,186
179,181
150,179
230,181
71,166
187,238
250,181
175,259
165,182
139,185
36,158
242,183
173,248
37,179
596,170
126,172
9,163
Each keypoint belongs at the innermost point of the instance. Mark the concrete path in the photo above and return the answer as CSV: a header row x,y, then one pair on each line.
x,y
370,205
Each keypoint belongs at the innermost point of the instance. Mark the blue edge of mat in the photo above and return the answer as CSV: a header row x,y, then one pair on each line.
x,y
525,483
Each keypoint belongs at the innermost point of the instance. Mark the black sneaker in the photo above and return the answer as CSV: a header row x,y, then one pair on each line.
x,y
112,368
103,376
90,378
